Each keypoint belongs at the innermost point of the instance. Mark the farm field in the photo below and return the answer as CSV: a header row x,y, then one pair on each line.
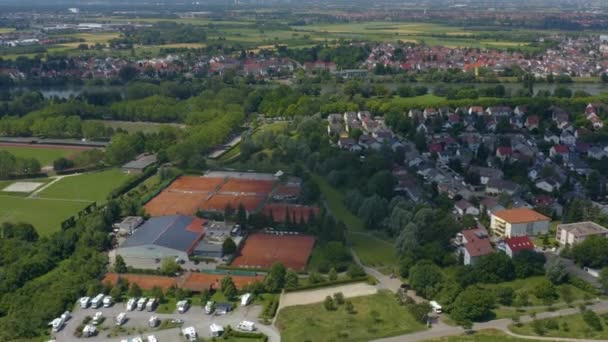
x,y
45,155
65,198
576,327
489,335
94,186
376,316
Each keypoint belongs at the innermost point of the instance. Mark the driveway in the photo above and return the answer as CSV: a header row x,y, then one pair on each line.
x,y
138,320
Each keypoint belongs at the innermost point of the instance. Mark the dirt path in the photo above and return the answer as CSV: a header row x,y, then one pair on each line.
x,y
55,180
318,295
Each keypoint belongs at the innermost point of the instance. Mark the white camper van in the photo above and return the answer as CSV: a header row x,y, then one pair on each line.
x,y
97,301
121,318
246,299
107,301
131,304
141,303
151,304
436,307
246,326
84,302
182,306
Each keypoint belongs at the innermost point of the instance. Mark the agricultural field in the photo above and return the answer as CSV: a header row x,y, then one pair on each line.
x,y
489,335
375,316
46,208
575,327
45,155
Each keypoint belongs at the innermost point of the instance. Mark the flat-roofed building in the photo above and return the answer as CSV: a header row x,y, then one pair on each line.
x,y
573,233
519,222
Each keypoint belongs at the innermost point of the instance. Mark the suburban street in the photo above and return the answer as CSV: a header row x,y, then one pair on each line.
x,y
194,317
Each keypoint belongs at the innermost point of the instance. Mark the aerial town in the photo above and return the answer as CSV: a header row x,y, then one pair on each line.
x,y
274,171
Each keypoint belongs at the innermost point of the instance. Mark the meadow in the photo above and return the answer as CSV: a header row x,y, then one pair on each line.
x,y
62,199
375,317
575,327
45,156
489,335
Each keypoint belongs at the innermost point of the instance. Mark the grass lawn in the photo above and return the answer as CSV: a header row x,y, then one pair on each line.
x,y
376,316
45,215
576,328
489,335
94,186
45,156
371,250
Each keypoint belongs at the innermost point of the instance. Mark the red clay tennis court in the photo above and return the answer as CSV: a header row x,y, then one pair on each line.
x,y
174,203
250,186
146,282
262,250
220,201
194,183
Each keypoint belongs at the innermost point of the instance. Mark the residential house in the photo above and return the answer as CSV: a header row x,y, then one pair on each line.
x,y
532,122
473,244
463,207
487,173
548,185
559,150
520,110
516,244
567,138
496,187
596,153
429,113
490,205
518,222
499,111
573,233
477,110
550,137
504,152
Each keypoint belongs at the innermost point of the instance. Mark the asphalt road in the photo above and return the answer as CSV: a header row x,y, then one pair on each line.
x,y
139,321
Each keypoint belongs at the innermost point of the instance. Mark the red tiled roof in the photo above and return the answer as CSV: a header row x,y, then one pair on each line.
x,y
560,149
519,243
478,242
521,215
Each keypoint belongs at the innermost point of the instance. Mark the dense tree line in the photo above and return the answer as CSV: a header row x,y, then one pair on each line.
x,y
14,166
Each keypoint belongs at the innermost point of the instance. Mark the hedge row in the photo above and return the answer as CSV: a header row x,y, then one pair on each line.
x,y
162,187
82,169
271,308
241,334
132,183
327,284
583,285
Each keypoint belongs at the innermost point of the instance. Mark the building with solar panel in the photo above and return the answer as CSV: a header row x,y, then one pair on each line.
x,y
173,236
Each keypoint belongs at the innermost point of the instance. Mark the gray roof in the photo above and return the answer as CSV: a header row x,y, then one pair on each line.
x,y
141,162
166,231
583,228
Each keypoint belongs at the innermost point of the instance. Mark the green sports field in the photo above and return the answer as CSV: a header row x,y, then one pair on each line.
x,y
89,187
62,199
44,155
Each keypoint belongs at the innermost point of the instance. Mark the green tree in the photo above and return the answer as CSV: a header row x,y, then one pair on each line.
x,y
228,288
119,265
228,247
291,279
474,304
168,266
333,275
275,279
425,278
328,303
135,291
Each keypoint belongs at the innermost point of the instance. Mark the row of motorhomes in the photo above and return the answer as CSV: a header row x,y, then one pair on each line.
x,y
142,303
216,330
96,301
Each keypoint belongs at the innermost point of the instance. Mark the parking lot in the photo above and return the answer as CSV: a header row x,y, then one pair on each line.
x,y
194,317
